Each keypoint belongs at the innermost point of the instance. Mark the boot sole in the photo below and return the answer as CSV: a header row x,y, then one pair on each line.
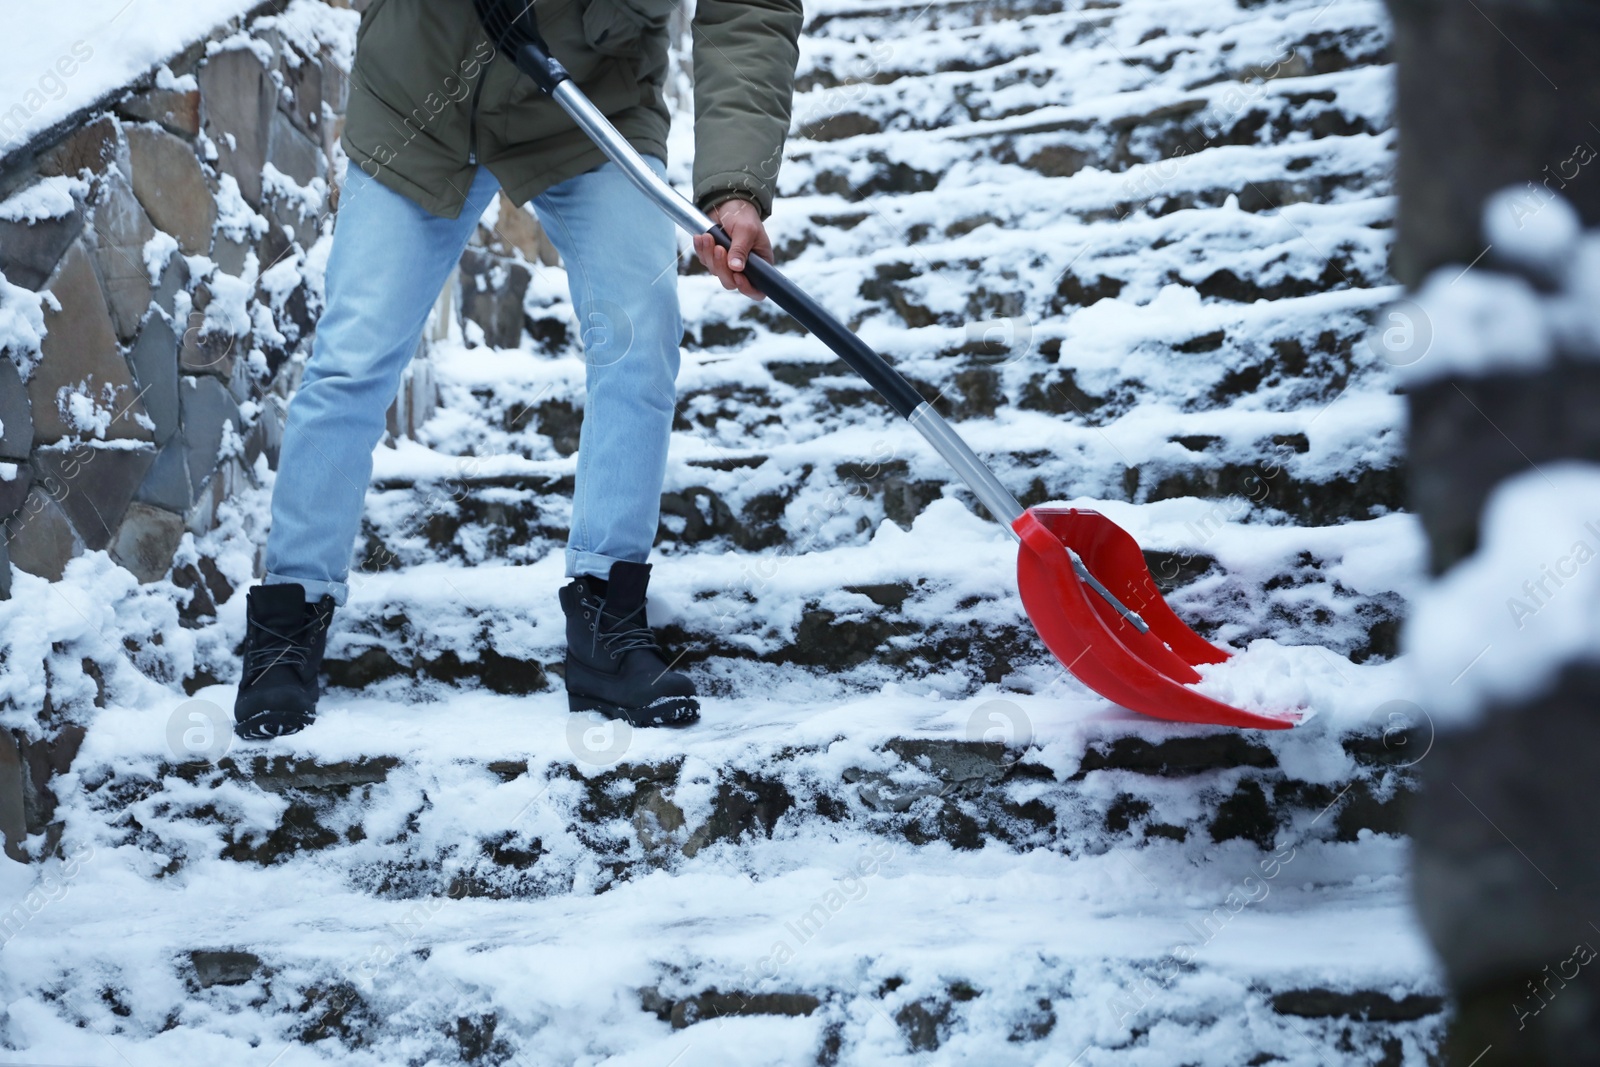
x,y
668,711
266,725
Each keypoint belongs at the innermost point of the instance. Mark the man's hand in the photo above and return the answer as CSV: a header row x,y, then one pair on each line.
x,y
742,222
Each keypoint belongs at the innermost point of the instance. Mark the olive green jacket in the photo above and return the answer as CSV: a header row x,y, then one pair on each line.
x,y
430,99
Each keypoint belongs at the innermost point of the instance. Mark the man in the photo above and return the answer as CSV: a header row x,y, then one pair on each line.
x,y
437,124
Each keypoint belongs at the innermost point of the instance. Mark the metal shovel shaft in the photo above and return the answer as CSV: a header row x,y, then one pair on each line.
x,y
900,394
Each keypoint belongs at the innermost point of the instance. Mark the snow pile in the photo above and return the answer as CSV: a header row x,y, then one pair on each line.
x,y
1482,323
51,67
316,27
157,252
1536,235
93,610
21,325
1499,626
48,198
1475,322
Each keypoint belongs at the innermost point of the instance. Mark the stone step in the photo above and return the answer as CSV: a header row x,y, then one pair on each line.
x,y
1118,425
894,162
447,1012
1331,172
1099,429
1139,46
779,963
1043,279
845,604
448,870
935,311
1132,789
832,70
881,19
846,45
1082,90
750,504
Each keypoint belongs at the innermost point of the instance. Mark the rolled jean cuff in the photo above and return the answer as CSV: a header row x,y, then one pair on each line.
x,y
591,563
315,590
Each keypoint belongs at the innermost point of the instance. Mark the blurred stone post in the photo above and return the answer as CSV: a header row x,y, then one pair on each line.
x,y
1498,93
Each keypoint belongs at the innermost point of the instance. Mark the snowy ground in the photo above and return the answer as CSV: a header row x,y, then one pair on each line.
x,y
900,833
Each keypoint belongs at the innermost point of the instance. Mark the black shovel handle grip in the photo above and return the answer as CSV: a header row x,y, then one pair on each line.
x,y
890,383
534,60
513,27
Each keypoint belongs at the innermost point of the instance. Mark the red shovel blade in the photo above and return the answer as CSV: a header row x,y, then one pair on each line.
x,y
1150,673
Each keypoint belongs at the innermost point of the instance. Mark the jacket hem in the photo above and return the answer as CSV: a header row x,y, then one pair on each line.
x,y
585,158
442,206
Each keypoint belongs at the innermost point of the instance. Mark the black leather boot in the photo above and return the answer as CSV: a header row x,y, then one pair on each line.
x,y
283,643
614,665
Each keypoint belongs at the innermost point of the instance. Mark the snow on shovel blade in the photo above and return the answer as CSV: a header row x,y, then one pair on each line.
x,y
1148,672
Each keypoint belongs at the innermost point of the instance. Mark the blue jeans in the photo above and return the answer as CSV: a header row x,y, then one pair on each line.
x,y
388,262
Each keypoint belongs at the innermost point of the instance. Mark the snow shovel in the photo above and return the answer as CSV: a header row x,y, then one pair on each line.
x,y
1084,581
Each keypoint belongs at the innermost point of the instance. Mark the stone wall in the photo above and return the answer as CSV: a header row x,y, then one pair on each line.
x,y
155,245
163,235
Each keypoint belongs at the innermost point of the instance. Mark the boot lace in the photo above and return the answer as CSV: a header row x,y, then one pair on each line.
x,y
622,637
269,648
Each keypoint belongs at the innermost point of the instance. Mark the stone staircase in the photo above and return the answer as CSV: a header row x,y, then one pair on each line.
x,y
1132,251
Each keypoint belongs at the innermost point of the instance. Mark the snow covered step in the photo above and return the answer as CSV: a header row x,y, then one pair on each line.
x,y
885,171
846,46
839,66
411,878
1089,104
1170,308
1334,170
830,608
394,795
1280,408
751,503
1221,254
880,19
1156,117
600,806
1305,955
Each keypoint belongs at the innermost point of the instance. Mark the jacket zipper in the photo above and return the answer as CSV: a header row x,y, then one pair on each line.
x,y
472,119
